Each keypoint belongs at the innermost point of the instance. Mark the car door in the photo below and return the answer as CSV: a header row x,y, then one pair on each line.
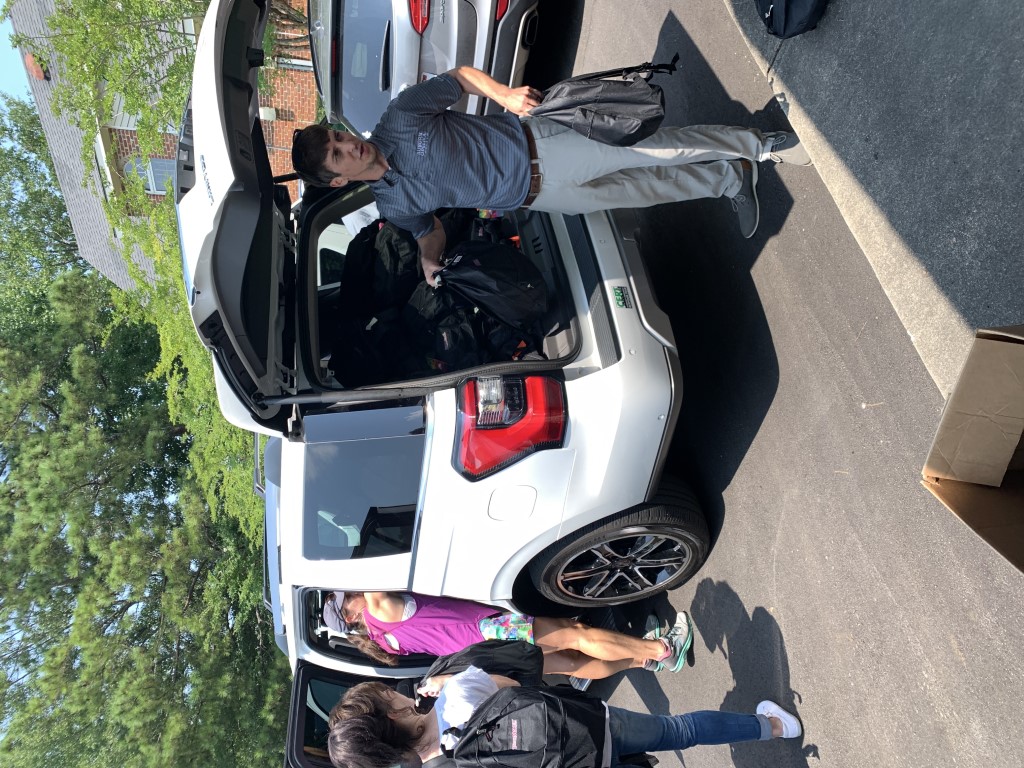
x,y
315,691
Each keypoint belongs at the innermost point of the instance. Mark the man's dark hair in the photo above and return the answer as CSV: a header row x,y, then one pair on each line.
x,y
362,735
309,153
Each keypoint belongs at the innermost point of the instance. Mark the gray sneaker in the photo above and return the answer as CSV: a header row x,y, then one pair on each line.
x,y
744,202
681,637
655,627
785,147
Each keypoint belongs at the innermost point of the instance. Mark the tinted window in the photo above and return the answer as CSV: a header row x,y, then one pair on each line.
x,y
365,86
360,497
321,696
314,701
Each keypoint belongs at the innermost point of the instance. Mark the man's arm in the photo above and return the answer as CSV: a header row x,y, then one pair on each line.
x,y
431,249
519,101
385,606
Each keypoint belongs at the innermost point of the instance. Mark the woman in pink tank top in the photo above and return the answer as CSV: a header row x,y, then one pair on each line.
x,y
403,623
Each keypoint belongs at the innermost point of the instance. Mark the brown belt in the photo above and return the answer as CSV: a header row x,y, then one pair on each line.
x,y
535,175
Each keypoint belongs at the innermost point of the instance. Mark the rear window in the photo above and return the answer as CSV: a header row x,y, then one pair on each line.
x,y
360,497
365,56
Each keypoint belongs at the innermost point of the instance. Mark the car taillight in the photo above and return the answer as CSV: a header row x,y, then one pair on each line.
x,y
419,12
503,419
501,10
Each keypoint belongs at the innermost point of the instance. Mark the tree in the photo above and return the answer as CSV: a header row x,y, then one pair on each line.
x,y
129,608
139,50
130,613
35,232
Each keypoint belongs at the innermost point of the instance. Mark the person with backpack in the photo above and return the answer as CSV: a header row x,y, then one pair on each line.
x,y
478,716
422,156
387,624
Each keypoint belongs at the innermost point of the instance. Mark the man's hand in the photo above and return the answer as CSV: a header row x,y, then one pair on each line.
x,y
432,686
431,249
519,101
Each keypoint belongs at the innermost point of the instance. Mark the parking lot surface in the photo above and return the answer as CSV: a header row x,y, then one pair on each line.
x,y
837,585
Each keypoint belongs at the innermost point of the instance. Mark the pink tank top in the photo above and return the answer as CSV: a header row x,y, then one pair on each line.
x,y
441,625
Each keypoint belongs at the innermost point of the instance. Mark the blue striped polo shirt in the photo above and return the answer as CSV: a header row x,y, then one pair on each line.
x,y
444,159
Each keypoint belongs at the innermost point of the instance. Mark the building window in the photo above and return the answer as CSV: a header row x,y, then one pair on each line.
x,y
157,173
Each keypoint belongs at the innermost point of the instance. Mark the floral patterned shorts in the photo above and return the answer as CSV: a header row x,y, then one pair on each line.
x,y
508,626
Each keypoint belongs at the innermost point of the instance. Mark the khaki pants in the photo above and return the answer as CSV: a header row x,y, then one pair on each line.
x,y
581,176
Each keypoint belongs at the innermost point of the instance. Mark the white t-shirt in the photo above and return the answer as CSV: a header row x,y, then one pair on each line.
x,y
459,698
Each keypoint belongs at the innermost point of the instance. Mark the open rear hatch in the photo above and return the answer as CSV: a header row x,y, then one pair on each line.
x,y
233,221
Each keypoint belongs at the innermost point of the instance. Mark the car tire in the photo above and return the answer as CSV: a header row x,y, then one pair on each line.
x,y
631,556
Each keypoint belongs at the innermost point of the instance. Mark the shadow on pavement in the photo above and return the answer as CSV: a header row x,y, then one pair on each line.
x,y
756,651
754,647
701,267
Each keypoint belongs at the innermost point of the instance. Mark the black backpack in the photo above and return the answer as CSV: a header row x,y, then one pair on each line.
x,y
618,106
444,333
789,18
553,727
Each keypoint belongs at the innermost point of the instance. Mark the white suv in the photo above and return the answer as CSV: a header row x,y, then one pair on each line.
x,y
496,483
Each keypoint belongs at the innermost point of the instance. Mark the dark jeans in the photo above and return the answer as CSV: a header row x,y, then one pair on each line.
x,y
634,732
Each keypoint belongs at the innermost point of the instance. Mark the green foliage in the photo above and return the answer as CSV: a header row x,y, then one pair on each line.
x,y
130,579
136,49
35,231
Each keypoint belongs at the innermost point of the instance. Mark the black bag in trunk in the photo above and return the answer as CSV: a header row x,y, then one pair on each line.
x,y
444,333
375,350
396,268
498,279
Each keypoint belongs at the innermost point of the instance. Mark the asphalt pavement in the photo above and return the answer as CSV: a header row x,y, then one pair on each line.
x,y
836,584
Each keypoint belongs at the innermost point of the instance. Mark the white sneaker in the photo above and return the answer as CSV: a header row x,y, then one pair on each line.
x,y
791,727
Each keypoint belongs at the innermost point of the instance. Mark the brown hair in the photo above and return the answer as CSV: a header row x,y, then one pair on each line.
x,y
359,637
362,733
309,154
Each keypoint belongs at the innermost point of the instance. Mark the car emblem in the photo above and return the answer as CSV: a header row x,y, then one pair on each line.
x,y
622,300
206,178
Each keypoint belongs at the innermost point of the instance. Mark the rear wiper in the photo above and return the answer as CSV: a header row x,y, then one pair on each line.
x,y
385,60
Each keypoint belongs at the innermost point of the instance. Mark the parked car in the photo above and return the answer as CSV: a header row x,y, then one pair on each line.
x,y
504,482
366,51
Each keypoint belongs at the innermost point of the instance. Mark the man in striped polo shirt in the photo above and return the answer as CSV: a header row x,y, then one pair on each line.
x,y
422,156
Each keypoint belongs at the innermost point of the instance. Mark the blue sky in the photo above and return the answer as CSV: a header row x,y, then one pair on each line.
x,y
13,79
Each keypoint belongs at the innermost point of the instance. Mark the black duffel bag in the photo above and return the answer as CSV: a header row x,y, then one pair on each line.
x,y
618,106
498,279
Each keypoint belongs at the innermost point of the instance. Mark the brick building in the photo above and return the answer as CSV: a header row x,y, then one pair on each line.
x,y
290,103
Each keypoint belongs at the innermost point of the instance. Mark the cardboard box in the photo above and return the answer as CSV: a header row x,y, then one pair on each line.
x,y
976,463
